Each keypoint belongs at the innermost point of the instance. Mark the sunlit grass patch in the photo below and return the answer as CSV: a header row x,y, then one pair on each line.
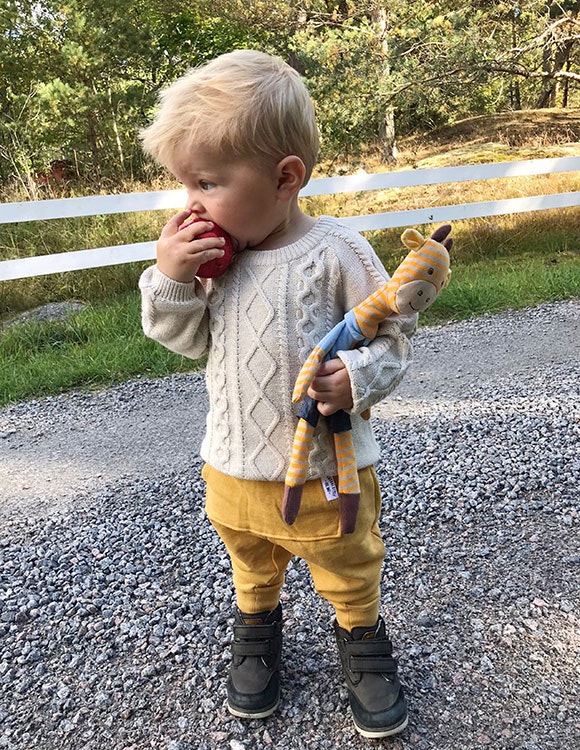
x,y
101,346
500,284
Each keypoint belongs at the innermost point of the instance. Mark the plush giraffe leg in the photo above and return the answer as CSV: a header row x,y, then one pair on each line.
x,y
297,470
307,373
348,483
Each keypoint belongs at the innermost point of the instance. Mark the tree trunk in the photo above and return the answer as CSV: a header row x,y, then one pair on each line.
x,y
548,94
565,90
94,146
116,132
387,135
555,58
515,98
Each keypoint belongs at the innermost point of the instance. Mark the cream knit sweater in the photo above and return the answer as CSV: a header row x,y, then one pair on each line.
x,y
258,323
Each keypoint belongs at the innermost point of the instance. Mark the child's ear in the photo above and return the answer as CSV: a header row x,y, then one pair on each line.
x,y
291,173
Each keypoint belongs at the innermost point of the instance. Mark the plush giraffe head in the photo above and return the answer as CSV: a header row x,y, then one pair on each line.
x,y
422,275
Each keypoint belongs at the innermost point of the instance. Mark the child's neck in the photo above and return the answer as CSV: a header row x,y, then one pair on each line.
x,y
293,228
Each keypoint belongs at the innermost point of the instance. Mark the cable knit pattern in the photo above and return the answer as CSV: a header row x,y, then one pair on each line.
x,y
221,434
311,273
261,411
258,323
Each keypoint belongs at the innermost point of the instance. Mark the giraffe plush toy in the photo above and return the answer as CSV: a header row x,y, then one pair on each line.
x,y
412,288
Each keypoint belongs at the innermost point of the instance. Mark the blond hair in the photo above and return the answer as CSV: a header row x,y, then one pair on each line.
x,y
244,105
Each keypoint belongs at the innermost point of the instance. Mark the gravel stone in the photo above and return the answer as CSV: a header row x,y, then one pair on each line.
x,y
115,593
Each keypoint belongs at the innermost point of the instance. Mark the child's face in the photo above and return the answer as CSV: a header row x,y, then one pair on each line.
x,y
238,196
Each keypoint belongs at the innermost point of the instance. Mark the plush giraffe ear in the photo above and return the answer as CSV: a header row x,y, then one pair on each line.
x,y
412,239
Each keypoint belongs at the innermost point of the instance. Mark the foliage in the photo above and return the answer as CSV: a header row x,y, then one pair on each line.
x,y
479,58
80,78
102,66
344,72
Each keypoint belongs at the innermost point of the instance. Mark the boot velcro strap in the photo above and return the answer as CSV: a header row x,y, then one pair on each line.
x,y
369,648
254,640
254,632
252,648
381,664
370,656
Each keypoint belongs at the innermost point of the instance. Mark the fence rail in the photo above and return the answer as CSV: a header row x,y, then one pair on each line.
x,y
175,199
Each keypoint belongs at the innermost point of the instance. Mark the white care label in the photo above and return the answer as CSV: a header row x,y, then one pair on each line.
x,y
329,487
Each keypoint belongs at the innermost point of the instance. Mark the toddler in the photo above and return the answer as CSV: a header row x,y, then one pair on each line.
x,y
240,134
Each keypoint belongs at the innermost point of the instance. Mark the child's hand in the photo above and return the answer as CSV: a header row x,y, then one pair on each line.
x,y
331,387
180,254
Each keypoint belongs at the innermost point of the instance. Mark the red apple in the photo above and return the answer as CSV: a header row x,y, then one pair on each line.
x,y
217,266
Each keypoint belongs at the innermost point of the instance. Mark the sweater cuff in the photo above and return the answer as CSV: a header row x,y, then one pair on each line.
x,y
168,289
376,370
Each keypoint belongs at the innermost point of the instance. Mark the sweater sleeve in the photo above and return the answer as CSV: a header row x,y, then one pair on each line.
x,y
174,314
375,370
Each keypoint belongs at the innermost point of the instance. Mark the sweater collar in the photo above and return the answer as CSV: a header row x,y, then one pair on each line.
x,y
304,245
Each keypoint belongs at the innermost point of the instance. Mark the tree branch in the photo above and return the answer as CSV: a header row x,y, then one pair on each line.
x,y
489,68
524,73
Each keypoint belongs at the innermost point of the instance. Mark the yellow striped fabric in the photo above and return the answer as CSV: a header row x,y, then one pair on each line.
x,y
307,373
298,467
429,263
430,257
372,311
348,482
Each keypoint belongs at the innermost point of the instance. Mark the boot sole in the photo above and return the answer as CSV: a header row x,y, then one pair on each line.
x,y
245,714
386,732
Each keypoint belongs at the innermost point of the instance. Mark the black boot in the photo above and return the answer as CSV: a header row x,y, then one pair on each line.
x,y
254,680
375,693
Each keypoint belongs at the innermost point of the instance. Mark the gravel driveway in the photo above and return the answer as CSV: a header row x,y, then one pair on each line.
x,y
115,596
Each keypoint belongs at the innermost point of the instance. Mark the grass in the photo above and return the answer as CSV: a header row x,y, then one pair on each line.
x,y
105,345
487,287
102,346
498,262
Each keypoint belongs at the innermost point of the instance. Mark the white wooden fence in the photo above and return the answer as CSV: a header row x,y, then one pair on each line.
x,y
175,199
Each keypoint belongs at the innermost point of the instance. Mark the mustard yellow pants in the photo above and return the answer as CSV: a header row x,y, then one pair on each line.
x,y
346,570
